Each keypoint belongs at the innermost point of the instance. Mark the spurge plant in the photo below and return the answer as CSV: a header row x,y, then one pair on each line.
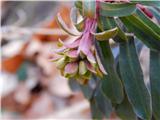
x,y
103,59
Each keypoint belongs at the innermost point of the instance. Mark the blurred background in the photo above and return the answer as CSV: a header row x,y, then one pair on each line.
x,y
31,86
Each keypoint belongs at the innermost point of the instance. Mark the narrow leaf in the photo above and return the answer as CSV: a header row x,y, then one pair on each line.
x,y
125,111
74,18
87,91
110,23
78,5
155,82
147,2
105,35
111,84
65,27
96,113
116,9
73,85
147,35
103,103
132,77
148,21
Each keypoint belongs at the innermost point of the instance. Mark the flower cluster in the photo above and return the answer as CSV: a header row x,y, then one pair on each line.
x,y
79,59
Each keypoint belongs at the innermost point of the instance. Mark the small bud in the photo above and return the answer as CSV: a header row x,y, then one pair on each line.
x,y
71,69
82,68
61,63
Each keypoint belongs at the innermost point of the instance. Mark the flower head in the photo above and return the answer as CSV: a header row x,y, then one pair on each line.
x,y
79,58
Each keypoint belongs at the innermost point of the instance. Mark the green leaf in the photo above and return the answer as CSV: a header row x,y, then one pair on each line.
x,y
148,21
87,91
143,32
73,85
125,111
107,23
103,103
110,23
132,77
64,26
111,84
74,18
155,82
96,113
105,35
147,2
116,9
78,5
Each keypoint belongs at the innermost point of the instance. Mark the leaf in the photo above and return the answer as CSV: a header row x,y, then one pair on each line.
x,y
73,84
148,21
87,91
103,103
116,9
65,27
111,84
125,111
74,18
110,24
78,5
147,2
96,113
155,82
143,32
132,78
105,35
